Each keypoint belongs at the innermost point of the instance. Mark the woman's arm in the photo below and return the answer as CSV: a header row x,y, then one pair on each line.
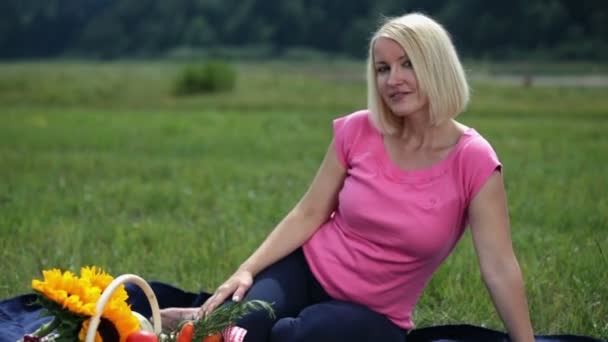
x,y
313,209
489,218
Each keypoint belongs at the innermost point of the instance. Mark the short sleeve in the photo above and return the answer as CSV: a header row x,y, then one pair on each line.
x,y
347,131
480,162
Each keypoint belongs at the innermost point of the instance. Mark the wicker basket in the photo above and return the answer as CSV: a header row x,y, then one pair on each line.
x,y
107,293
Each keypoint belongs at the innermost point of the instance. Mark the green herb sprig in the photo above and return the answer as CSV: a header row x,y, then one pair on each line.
x,y
224,317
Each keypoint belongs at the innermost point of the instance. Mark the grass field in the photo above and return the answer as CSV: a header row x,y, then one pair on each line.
x,y
101,165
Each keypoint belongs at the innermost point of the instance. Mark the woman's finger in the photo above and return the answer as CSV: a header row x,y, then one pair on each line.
x,y
239,293
214,301
232,287
205,307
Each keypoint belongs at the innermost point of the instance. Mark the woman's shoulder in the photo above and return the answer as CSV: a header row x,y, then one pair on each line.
x,y
354,131
360,117
476,152
357,123
476,161
473,143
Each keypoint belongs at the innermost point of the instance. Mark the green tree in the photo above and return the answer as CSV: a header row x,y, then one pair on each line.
x,y
112,28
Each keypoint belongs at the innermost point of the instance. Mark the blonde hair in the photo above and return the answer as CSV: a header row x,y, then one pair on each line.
x,y
441,78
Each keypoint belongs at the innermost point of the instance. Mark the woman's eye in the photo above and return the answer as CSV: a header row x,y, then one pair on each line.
x,y
382,69
407,64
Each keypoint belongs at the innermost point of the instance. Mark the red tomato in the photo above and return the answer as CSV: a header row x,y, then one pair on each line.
x,y
142,336
185,334
213,338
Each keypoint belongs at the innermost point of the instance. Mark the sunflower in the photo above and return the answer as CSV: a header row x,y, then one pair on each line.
x,y
97,277
72,300
68,291
82,334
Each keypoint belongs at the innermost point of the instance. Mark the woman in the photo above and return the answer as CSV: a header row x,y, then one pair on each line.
x,y
392,197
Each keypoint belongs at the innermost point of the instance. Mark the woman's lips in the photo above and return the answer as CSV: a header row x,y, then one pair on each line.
x,y
398,96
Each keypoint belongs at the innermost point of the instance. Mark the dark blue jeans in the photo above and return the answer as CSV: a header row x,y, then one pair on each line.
x,y
305,312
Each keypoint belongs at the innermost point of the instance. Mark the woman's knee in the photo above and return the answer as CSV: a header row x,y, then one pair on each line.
x,y
284,330
336,321
258,325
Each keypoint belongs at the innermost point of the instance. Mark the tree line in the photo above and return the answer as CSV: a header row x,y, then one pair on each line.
x,y
516,29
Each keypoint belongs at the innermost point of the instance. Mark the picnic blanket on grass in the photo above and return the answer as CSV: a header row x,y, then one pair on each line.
x,y
18,317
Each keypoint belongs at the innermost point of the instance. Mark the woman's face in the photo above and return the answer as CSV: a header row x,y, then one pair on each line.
x,y
396,79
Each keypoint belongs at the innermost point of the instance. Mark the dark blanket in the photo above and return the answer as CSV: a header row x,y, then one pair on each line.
x,y
18,317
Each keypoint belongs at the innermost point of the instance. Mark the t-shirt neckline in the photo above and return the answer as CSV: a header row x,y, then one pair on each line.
x,y
427,174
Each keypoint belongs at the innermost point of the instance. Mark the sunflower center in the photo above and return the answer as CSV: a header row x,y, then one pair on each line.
x,y
108,331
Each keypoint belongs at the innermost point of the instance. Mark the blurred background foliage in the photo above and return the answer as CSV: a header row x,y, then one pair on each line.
x,y
261,29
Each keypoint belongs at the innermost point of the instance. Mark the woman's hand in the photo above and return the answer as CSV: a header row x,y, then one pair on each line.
x,y
237,285
171,317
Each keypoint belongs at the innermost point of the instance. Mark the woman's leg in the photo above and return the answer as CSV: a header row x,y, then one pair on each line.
x,y
289,286
337,321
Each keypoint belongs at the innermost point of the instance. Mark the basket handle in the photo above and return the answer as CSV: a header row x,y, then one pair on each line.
x,y
109,291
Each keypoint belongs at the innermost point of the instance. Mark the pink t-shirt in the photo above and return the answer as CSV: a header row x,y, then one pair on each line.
x,y
393,228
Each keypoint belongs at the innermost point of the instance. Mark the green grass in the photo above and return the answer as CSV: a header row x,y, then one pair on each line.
x,y
100,164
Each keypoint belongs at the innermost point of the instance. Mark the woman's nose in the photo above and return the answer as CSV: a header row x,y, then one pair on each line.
x,y
395,76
